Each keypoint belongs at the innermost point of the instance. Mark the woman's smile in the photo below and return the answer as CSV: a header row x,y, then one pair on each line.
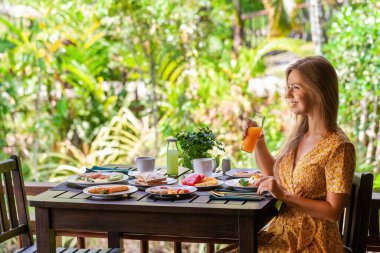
x,y
292,103
296,94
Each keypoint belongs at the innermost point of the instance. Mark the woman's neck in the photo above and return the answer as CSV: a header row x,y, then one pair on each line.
x,y
316,126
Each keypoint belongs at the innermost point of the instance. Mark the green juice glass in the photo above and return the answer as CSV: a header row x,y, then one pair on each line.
x,y
172,157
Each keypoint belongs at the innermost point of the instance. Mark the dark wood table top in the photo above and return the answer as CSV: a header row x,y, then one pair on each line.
x,y
139,200
142,201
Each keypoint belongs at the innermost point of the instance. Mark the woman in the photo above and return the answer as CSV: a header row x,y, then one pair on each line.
x,y
312,175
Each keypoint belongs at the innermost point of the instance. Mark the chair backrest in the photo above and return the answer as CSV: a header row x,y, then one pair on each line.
x,y
14,220
354,227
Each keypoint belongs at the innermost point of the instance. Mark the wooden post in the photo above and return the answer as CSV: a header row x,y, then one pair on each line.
x,y
177,247
115,240
144,246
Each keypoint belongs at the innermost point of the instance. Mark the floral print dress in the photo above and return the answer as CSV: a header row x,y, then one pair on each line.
x,y
329,166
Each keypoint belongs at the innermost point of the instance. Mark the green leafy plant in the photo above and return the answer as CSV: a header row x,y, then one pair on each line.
x,y
198,144
353,49
120,141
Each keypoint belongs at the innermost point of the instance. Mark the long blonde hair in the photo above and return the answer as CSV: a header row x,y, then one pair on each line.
x,y
322,89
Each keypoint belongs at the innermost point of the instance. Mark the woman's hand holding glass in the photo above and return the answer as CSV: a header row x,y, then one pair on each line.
x,y
271,185
252,132
251,123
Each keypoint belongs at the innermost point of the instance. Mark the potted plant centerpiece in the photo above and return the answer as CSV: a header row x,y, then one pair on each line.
x,y
199,144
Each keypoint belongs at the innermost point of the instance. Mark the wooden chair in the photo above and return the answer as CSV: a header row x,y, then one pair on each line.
x,y
354,222
373,239
14,220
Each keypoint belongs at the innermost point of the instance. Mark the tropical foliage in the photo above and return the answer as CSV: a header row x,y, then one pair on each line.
x,y
354,49
98,82
71,72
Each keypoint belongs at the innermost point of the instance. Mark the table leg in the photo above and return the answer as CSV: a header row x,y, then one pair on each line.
x,y
45,235
247,234
115,240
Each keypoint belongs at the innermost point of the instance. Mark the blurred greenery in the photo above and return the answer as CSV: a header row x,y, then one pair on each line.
x,y
96,82
353,47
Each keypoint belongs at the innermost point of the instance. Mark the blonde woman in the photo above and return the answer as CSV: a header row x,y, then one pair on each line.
x,y
312,175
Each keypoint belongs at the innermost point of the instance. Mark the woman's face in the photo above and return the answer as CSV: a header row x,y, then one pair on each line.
x,y
296,94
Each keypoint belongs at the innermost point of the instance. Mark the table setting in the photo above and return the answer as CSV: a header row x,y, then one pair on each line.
x,y
224,183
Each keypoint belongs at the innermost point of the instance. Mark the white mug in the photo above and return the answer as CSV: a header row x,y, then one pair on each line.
x,y
204,166
145,164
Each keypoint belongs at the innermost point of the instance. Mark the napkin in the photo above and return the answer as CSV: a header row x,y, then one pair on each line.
x,y
278,205
238,198
103,169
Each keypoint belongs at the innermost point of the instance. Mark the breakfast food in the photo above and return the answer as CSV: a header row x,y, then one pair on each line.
x,y
199,180
193,179
208,181
108,189
150,178
247,173
256,176
97,177
163,190
246,182
243,173
251,180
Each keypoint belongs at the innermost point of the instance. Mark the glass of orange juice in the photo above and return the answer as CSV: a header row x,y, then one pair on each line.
x,y
253,133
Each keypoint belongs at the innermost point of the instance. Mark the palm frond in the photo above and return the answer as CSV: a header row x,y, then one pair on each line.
x,y
119,142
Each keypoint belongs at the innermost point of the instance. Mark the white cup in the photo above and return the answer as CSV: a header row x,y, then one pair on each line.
x,y
204,166
145,164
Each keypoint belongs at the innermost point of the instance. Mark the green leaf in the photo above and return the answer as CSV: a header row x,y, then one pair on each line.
x,y
13,28
6,45
87,79
62,107
41,64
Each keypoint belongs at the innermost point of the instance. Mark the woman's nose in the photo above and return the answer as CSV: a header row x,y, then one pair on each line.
x,y
288,93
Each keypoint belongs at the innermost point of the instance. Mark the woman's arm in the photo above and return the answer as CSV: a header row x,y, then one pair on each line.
x,y
264,159
329,209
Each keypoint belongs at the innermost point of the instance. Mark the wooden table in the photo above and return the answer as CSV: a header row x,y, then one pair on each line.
x,y
193,217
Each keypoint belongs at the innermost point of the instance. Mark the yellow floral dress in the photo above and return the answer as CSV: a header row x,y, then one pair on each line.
x,y
329,166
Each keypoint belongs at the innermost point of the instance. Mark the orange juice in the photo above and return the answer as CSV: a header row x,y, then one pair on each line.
x,y
249,142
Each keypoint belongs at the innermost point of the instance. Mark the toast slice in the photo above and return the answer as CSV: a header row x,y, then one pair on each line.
x,y
151,178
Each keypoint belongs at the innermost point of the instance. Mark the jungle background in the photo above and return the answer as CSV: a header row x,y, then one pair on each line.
x,y
91,82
